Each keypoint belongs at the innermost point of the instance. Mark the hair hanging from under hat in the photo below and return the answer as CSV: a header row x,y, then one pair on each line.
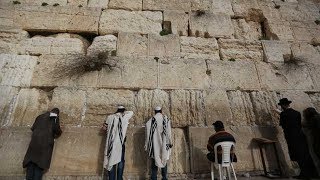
x,y
55,110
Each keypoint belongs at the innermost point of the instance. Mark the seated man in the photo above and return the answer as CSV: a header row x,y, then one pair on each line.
x,y
220,136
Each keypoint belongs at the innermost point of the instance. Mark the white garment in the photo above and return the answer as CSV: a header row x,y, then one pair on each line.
x,y
161,153
116,152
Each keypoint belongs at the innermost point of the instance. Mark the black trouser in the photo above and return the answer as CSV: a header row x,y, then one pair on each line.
x,y
154,171
34,172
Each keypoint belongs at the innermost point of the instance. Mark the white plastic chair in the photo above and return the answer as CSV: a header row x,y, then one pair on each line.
x,y
226,161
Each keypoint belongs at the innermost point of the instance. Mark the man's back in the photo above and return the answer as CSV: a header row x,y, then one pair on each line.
x,y
220,136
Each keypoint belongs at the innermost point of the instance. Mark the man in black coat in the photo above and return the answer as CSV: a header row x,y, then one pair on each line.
x,y
290,121
38,157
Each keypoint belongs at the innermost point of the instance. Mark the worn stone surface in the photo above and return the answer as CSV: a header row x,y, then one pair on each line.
x,y
192,48
103,44
247,30
306,53
240,50
314,69
16,70
315,99
179,21
222,6
278,30
300,100
183,5
210,25
276,51
143,22
132,45
125,4
8,98
10,39
164,46
98,3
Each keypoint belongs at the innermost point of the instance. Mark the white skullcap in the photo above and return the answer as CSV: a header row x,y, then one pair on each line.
x,y
120,107
158,108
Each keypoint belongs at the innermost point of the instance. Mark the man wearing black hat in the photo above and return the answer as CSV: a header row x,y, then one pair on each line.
x,y
290,121
220,136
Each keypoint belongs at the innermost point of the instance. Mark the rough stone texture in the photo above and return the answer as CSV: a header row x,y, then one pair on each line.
x,y
211,25
103,102
182,5
98,3
233,75
183,73
222,6
300,100
71,103
240,50
314,73
29,104
8,98
247,30
315,99
16,70
10,39
144,22
244,8
276,30
164,46
103,44
275,51
132,45
125,4
179,21
77,3
193,48
62,19
306,53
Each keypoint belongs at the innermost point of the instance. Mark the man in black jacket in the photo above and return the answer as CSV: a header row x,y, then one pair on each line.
x,y
38,157
290,121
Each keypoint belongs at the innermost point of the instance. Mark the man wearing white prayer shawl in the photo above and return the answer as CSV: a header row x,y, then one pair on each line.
x,y
158,143
116,126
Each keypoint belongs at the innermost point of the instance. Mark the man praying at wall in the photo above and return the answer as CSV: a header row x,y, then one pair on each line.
x,y
158,143
38,157
116,128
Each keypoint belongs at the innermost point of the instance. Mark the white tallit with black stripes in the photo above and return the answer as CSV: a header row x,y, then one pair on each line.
x,y
116,133
158,139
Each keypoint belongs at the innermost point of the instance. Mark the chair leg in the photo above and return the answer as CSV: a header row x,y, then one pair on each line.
x,y
220,172
229,173
212,171
234,173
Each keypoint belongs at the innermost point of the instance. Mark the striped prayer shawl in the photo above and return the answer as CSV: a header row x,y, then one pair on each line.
x,y
110,140
150,143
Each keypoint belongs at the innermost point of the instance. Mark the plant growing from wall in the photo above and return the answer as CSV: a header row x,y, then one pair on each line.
x,y
44,4
164,32
277,6
16,2
80,5
317,22
232,59
200,12
56,4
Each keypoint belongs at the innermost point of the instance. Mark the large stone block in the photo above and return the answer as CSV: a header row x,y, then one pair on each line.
x,y
125,4
202,48
130,73
164,46
143,22
103,44
16,70
315,99
103,102
315,75
278,30
132,45
306,53
187,108
183,74
182,5
62,19
8,96
98,3
240,50
245,8
71,103
247,30
233,75
179,21
201,5
10,38
276,51
210,25
29,104
222,6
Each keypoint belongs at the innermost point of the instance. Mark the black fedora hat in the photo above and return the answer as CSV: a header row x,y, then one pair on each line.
x,y
284,101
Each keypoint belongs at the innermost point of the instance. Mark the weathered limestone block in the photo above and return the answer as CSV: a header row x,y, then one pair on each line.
x,y
14,143
192,48
276,51
71,103
147,100
183,74
29,104
78,151
278,30
270,12
240,50
306,53
10,39
242,109
244,8
39,2
187,108
247,30
130,73
103,44
63,70
302,34
217,107
300,100
179,21
315,99
62,19
233,75
222,6
143,22
132,45
285,76
164,46
8,96
315,75
39,45
291,12
77,3
211,25
125,4
181,5
98,3
201,5
16,70
103,102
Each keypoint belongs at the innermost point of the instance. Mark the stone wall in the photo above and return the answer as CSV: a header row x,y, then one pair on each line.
x,y
228,60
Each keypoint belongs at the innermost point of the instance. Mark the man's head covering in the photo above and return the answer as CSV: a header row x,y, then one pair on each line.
x,y
218,124
284,101
55,110
158,108
121,107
